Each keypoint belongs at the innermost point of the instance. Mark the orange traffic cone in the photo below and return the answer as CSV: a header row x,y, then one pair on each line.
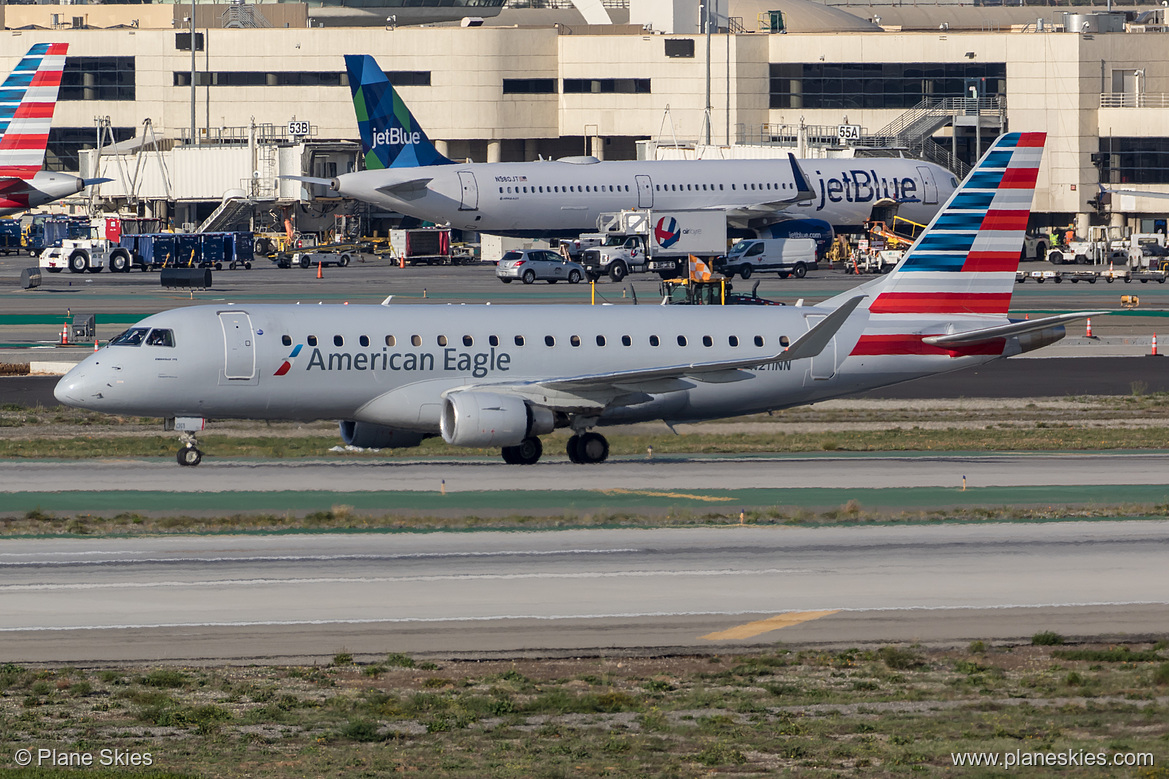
x,y
65,335
1089,333
1154,352
319,274
401,261
95,344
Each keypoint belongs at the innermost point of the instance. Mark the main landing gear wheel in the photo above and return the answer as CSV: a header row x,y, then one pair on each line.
x,y
588,448
189,455
526,452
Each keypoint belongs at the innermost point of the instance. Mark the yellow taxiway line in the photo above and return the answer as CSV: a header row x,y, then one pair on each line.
x,y
707,498
752,629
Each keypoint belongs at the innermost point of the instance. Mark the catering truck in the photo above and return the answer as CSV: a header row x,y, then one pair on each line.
x,y
642,240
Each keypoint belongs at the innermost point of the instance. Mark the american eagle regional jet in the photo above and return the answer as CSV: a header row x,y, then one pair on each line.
x,y
27,100
502,376
773,198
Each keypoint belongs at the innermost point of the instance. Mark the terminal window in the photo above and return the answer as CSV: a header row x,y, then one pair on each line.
x,y
291,78
631,86
65,144
1134,160
878,85
529,86
97,78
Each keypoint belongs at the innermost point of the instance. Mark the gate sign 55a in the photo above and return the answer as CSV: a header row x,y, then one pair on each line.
x,y
848,132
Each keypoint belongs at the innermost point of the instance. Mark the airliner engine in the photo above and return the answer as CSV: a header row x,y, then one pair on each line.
x,y
479,419
370,436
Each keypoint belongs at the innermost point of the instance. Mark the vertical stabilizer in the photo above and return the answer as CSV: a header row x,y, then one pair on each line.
x,y
965,261
390,137
27,100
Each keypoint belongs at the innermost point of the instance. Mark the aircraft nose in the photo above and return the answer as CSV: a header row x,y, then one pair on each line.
x,y
67,389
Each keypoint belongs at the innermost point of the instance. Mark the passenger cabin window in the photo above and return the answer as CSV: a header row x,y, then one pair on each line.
x,y
416,340
468,340
442,340
493,340
654,341
783,341
600,340
626,341
758,340
519,340
707,340
549,340
312,340
132,337
159,337
733,340
391,340
338,341
681,340
286,340
574,340
363,340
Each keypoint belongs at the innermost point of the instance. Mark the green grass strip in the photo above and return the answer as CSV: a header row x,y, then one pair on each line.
x,y
519,501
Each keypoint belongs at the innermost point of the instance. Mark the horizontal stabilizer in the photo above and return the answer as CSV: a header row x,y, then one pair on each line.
x,y
94,182
982,335
310,180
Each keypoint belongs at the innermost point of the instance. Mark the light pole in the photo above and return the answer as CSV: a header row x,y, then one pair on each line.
x,y
191,31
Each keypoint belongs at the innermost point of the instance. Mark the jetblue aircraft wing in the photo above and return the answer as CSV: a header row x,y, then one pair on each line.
x,y
743,215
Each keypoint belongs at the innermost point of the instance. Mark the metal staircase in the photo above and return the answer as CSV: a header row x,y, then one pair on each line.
x,y
230,212
913,130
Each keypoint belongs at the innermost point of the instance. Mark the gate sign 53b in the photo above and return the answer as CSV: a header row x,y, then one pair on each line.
x,y
299,128
848,132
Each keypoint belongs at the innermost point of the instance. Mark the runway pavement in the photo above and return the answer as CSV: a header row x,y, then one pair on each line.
x,y
288,597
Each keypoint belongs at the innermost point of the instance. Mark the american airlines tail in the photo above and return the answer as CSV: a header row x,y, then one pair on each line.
x,y
27,100
390,137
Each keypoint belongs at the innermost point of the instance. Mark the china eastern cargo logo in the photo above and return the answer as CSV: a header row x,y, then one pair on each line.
x,y
667,234
288,361
396,136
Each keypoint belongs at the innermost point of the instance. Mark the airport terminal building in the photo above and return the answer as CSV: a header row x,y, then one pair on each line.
x,y
270,94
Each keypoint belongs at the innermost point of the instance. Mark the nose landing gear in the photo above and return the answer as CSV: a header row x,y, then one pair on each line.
x,y
187,427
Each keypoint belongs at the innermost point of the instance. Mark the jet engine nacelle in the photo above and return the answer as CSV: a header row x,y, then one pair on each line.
x,y
482,419
817,229
367,435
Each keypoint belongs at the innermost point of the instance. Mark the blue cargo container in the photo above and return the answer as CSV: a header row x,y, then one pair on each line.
x,y
187,250
211,250
10,236
240,248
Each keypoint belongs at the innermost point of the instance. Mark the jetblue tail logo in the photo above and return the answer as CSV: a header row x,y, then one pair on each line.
x,y
390,137
666,234
286,366
27,99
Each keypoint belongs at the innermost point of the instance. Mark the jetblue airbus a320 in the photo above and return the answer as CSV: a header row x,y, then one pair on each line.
x,y
502,376
406,173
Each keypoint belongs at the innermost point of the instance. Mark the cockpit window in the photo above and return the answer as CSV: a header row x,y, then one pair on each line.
x,y
160,337
132,337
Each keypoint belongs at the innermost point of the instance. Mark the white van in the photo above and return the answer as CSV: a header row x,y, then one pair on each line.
x,y
787,256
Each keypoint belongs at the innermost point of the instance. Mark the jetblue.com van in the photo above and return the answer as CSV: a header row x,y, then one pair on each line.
x,y
787,256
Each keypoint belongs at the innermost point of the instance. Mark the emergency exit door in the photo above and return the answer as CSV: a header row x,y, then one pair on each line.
x,y
929,188
239,345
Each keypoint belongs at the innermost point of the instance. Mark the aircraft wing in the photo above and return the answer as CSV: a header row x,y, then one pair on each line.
x,y
1005,331
596,389
1135,193
804,192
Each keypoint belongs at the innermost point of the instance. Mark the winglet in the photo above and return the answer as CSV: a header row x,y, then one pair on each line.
x,y
813,342
804,190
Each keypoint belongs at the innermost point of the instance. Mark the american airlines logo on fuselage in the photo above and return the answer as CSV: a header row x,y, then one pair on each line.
x,y
478,364
396,136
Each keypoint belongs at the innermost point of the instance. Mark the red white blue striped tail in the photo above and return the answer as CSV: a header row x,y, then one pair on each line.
x,y
27,99
965,261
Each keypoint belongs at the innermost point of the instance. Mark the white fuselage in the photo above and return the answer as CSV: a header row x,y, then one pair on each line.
x,y
566,197
390,365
